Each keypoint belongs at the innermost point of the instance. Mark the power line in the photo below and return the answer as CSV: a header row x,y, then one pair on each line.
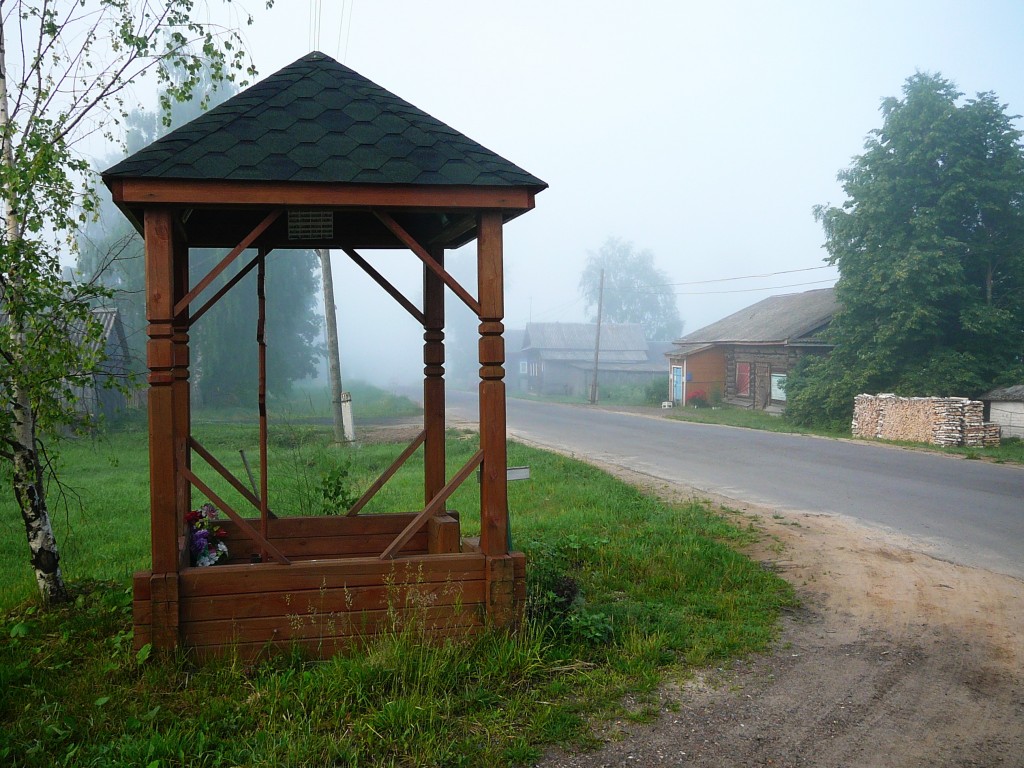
x,y
348,31
745,290
748,277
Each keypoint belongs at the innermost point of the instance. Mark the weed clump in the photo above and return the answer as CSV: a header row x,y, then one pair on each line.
x,y
554,597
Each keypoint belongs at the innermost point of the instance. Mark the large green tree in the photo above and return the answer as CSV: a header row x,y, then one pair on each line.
x,y
66,68
635,291
930,251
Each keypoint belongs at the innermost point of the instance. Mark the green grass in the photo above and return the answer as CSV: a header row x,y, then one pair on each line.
x,y
609,395
1011,451
662,587
311,402
749,418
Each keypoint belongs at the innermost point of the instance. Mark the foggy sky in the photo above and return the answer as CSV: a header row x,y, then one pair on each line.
x,y
705,132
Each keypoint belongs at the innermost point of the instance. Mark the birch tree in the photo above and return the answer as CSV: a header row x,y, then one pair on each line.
x,y
67,68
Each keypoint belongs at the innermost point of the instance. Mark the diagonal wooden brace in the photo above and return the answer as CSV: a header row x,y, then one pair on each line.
x,y
221,470
410,242
247,241
387,474
243,525
382,281
433,507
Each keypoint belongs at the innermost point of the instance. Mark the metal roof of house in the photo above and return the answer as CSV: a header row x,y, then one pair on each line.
x,y
623,343
780,319
1005,394
318,121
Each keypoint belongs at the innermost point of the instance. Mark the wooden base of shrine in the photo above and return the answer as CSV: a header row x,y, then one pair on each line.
x,y
324,604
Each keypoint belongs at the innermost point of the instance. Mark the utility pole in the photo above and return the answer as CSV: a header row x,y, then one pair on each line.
x,y
597,339
342,431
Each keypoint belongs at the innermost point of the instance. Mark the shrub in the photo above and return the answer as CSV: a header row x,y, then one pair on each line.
x,y
698,398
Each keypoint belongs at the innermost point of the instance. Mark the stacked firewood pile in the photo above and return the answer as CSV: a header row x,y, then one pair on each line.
x,y
992,434
935,420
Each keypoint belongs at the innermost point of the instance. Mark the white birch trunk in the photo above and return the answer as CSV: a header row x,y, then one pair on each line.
x,y
29,489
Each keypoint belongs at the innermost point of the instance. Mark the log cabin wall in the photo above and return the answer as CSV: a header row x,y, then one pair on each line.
x,y
764,361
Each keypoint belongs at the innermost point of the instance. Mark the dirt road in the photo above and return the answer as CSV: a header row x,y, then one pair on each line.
x,y
895,658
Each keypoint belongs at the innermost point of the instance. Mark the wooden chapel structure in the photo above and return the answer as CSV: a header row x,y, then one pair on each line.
x,y
317,156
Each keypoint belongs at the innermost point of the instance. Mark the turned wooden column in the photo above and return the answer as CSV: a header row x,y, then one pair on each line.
x,y
433,379
180,388
493,473
167,524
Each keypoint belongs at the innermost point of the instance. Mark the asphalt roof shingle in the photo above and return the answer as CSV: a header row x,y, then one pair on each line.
x,y
783,318
620,342
318,121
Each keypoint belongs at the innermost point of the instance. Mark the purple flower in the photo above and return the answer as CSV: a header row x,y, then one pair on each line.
x,y
200,540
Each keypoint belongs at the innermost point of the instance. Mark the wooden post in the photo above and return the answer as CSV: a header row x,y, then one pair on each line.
x,y
493,479
261,344
180,389
166,523
433,380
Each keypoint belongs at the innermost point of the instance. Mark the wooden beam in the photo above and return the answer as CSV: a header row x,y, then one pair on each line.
x,y
493,475
436,505
433,379
221,470
410,242
223,290
247,241
455,230
261,345
190,192
165,527
382,281
180,390
387,474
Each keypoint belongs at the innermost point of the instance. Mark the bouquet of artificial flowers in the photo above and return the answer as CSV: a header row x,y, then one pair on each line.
x,y
205,537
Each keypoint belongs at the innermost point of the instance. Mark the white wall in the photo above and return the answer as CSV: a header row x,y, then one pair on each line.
x,y
1010,416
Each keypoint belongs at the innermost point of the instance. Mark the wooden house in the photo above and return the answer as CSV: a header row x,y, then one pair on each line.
x,y
1005,407
745,357
103,396
317,156
559,357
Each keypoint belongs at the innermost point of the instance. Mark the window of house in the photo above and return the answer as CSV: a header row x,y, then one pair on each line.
x,y
779,386
743,379
523,367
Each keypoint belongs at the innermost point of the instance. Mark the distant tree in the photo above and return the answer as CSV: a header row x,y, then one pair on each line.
x,y
930,251
225,345
65,67
635,291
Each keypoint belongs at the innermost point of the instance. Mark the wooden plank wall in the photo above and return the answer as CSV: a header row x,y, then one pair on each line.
x,y
306,538
327,606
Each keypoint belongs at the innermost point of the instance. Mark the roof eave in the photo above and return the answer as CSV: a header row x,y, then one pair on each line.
x,y
191,192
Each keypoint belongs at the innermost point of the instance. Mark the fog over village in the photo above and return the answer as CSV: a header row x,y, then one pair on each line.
x,y
682,412
704,133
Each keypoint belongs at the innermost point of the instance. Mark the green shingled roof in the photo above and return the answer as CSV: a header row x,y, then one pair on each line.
x,y
318,121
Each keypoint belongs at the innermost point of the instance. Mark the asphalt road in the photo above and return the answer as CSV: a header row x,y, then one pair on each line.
x,y
968,512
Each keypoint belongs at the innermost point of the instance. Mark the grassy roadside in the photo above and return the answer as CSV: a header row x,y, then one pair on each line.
x,y
661,587
1011,451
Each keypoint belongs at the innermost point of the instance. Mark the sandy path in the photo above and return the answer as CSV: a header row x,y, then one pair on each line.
x,y
894,659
